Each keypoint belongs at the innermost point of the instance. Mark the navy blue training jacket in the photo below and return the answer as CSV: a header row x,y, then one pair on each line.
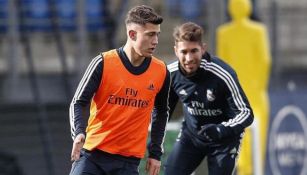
x,y
213,95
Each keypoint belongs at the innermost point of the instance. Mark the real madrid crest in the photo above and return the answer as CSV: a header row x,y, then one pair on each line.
x,y
210,95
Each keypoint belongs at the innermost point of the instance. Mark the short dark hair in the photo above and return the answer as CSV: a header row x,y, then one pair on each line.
x,y
143,14
188,32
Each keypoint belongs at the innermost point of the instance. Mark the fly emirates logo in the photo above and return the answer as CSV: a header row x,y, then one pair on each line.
x,y
199,109
130,99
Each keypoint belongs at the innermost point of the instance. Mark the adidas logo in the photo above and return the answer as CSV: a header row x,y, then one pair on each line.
x,y
151,87
183,92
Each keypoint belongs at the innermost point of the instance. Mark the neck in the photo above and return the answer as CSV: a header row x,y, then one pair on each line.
x,y
134,58
241,21
185,73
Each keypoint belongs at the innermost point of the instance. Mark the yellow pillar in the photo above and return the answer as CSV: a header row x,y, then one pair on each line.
x,y
244,45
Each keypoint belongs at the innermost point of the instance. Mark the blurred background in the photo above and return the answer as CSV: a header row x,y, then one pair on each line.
x,y
46,45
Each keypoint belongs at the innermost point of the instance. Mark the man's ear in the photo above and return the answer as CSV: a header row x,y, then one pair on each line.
x,y
132,34
204,48
175,50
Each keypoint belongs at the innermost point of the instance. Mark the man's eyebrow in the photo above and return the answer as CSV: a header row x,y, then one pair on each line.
x,y
194,49
152,31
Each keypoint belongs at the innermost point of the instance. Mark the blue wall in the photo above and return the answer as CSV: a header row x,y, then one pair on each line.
x,y
287,137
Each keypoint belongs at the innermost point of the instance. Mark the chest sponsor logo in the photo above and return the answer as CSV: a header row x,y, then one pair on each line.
x,y
130,99
198,108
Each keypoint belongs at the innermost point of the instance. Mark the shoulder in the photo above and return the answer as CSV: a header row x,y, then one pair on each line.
x,y
224,28
257,25
159,67
173,67
109,54
218,67
97,59
158,61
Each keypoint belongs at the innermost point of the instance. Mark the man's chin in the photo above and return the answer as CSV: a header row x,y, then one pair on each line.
x,y
190,72
147,54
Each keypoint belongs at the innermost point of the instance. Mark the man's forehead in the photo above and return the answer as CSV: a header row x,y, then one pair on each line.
x,y
188,45
147,27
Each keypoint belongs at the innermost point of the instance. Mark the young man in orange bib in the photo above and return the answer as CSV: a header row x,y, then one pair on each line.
x,y
127,89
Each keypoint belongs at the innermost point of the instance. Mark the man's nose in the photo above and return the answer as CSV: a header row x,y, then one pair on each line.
x,y
189,57
155,40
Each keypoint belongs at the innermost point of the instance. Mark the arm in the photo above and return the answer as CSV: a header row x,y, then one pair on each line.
x,y
81,101
173,100
238,103
240,107
263,55
159,120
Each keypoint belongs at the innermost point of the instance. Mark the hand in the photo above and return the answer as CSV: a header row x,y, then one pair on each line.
x,y
77,146
153,166
212,132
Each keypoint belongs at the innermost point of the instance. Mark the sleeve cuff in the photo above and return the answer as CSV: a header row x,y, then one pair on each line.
x,y
153,156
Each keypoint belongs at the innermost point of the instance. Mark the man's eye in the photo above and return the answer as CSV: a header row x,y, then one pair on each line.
x,y
184,52
194,50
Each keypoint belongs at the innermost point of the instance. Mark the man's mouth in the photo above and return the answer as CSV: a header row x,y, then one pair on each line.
x,y
189,66
151,50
